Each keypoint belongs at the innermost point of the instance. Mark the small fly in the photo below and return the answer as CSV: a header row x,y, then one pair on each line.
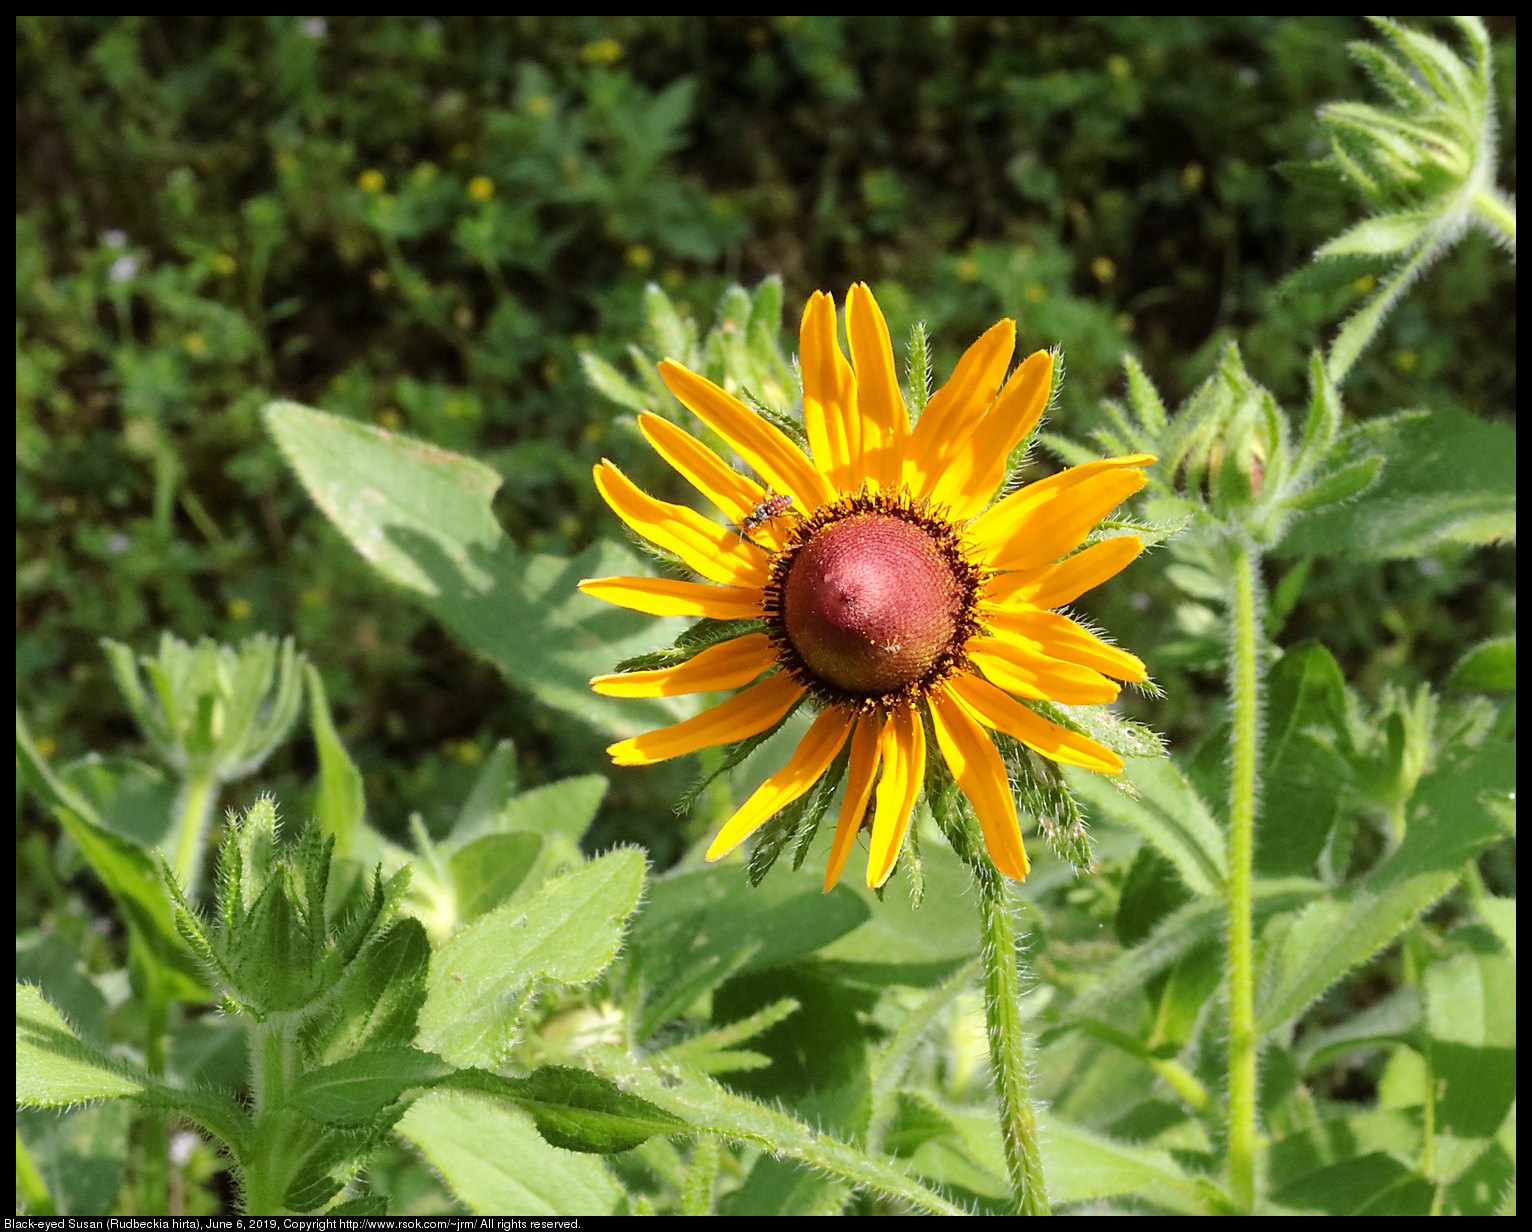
x,y
774,506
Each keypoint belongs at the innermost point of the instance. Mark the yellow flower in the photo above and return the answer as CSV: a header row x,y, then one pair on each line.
x,y
890,592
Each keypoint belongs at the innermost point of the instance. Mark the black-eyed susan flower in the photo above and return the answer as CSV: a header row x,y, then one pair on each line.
x,y
892,595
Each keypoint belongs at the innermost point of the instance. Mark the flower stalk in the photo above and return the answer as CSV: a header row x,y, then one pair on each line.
x,y
1244,687
1007,1044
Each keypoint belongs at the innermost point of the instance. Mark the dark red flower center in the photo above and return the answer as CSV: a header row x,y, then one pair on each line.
x,y
871,603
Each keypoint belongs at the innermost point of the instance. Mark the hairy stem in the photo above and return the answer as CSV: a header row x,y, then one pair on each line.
x,y
1244,685
1496,212
1007,1046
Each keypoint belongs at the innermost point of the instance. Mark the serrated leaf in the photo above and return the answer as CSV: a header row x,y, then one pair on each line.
x,y
496,1162
569,931
1169,813
421,516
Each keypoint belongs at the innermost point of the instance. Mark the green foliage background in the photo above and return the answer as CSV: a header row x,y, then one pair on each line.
x,y
422,223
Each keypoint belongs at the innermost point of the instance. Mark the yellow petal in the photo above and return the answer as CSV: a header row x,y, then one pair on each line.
x,y
904,770
956,409
812,758
859,780
672,597
829,394
1062,638
744,714
764,446
1030,529
713,551
734,494
995,709
1026,668
966,486
885,422
727,665
1055,585
981,776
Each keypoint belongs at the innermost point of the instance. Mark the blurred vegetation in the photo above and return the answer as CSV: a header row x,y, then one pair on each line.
x,y
422,223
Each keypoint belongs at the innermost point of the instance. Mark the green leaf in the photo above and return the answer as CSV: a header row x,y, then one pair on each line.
x,y
1351,1165
1337,486
53,1067
1310,951
699,928
353,1091
563,809
1395,1019
1470,1004
1082,1166
130,797
421,516
1303,773
487,871
610,383
1388,233
575,1109
128,873
496,1162
492,791
569,931
339,804
1490,667
1169,813
379,1001
707,1106
1449,478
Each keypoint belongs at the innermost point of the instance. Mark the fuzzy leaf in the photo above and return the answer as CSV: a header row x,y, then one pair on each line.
x,y
353,1091
1332,936
421,516
569,931
1169,813
575,1109
699,928
1337,486
53,1067
495,1161
1449,478
1388,233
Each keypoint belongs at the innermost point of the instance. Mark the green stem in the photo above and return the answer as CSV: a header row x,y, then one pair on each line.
x,y
697,1197
1244,687
1497,212
194,805
1007,1046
